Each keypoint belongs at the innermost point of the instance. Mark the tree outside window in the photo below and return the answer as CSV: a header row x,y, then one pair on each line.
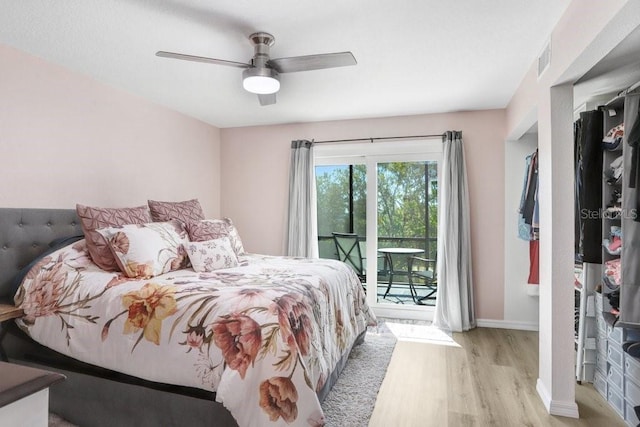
x,y
407,204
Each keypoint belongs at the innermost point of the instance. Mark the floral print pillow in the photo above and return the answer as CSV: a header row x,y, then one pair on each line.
x,y
148,250
210,229
236,242
211,255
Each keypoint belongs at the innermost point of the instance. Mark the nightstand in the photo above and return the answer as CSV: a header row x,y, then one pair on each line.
x,y
7,312
24,395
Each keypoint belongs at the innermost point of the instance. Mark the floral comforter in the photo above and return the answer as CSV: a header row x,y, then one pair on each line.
x,y
264,336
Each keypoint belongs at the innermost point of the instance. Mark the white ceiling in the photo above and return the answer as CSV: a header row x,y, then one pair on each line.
x,y
414,56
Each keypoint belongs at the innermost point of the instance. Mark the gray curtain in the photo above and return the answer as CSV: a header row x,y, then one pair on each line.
x,y
302,231
454,301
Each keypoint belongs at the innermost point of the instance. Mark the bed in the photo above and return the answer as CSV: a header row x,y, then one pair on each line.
x,y
257,343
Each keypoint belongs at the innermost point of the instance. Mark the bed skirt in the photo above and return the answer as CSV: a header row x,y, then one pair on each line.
x,y
98,397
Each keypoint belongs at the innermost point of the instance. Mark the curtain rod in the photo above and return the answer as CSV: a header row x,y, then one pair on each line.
x,y
379,138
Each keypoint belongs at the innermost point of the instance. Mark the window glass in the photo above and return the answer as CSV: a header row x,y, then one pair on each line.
x,y
395,186
341,195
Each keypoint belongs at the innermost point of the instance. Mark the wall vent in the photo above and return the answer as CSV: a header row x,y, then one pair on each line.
x,y
544,59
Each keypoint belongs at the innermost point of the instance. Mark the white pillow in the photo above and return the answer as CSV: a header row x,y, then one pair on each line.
x,y
211,255
147,250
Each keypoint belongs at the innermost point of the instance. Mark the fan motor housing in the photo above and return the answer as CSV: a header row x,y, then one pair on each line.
x,y
261,43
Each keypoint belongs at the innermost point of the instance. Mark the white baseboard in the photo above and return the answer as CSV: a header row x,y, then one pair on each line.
x,y
556,407
507,324
544,394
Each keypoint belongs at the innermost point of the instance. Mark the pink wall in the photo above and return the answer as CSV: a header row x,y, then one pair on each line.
x,y
255,183
66,139
581,23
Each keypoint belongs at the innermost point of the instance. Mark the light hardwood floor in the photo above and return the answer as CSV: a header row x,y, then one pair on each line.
x,y
490,380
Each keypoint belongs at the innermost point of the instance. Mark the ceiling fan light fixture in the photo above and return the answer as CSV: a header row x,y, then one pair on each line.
x,y
262,74
263,81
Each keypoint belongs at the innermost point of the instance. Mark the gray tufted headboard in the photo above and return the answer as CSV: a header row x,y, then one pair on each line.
x,y
25,233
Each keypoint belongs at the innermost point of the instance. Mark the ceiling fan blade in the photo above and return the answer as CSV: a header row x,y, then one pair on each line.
x,y
204,59
312,62
268,99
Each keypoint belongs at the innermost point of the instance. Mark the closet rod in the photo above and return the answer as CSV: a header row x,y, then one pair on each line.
x,y
380,138
633,87
628,90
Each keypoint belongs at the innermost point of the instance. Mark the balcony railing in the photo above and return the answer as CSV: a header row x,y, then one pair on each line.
x,y
327,248
400,290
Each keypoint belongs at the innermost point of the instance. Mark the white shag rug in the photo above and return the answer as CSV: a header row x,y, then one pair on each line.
x,y
352,398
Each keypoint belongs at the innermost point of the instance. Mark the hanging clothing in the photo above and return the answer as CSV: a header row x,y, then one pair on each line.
x,y
588,163
577,171
524,229
534,262
528,218
528,222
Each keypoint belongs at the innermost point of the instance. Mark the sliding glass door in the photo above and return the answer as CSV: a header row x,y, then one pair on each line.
x,y
386,196
407,226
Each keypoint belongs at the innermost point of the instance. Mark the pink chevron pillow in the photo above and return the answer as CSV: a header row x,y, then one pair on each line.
x,y
93,218
210,229
187,211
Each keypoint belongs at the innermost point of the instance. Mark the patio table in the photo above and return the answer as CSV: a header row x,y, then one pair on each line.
x,y
388,255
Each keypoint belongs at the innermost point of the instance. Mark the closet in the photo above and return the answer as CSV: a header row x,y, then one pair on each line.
x,y
521,293
608,249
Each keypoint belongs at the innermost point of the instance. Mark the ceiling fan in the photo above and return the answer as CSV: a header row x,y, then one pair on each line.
x,y
262,75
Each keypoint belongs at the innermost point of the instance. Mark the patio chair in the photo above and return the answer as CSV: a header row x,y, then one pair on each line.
x,y
349,251
425,274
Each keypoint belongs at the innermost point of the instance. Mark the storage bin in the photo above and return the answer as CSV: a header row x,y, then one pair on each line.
x,y
600,383
632,368
614,356
615,378
615,334
616,401
601,362
630,416
632,393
